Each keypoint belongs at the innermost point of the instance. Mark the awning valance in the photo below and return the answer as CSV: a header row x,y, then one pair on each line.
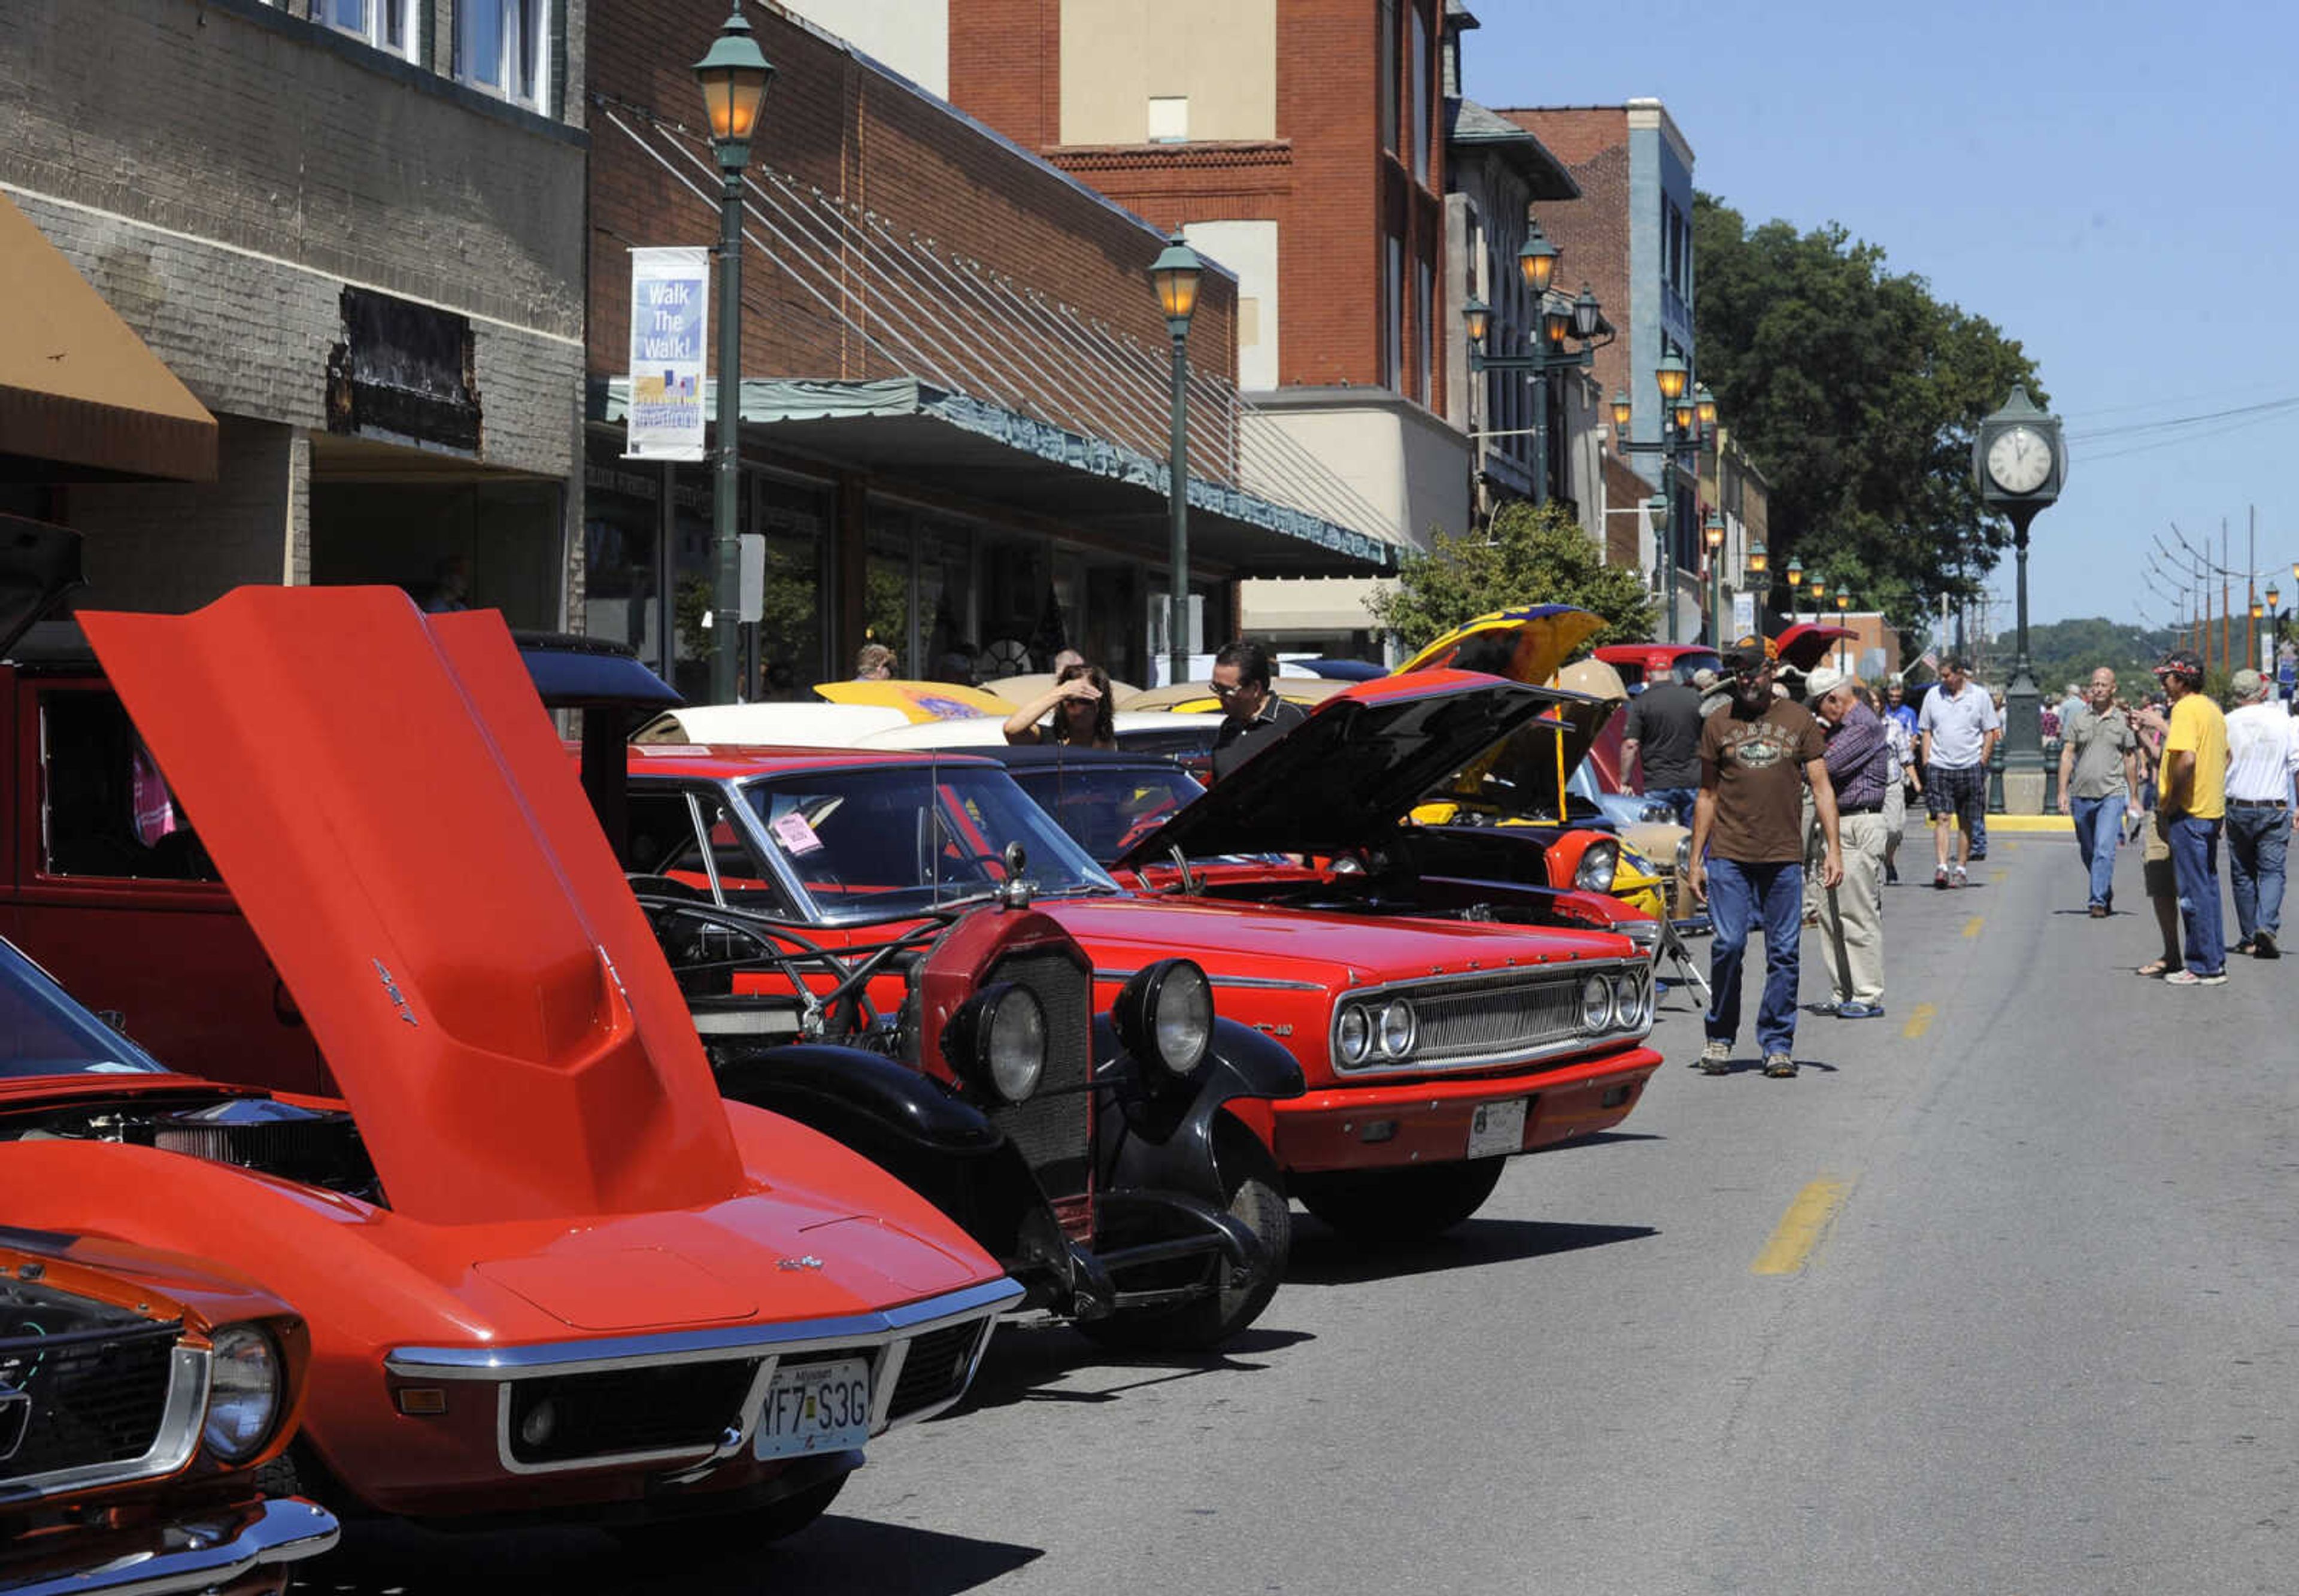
x,y
80,396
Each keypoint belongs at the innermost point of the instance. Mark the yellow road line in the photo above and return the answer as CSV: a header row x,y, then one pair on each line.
x,y
1920,1021
1801,1228
2000,876
1971,927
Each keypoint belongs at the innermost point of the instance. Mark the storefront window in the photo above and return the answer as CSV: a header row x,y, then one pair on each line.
x,y
946,611
795,518
886,588
1022,625
622,507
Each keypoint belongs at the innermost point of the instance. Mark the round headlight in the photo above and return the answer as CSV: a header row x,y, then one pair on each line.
x,y
1013,1043
1353,1037
1596,1003
1653,814
243,1387
541,1423
1182,1017
1598,864
1643,1015
1397,1028
1625,999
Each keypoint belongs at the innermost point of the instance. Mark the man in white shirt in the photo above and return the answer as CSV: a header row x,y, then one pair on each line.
x,y
1957,728
2263,757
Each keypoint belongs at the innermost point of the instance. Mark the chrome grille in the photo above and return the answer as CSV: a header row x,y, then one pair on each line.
x,y
92,1399
1480,1022
935,1370
1054,1130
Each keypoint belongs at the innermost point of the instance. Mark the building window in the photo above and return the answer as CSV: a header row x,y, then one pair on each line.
x,y
1169,119
1386,68
1421,120
501,46
1392,317
1424,326
386,24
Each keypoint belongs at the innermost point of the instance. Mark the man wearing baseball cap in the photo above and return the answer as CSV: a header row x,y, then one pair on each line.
x,y
2190,810
1859,760
1756,753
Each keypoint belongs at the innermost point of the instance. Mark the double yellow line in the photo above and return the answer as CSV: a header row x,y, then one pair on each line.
x,y
1801,1228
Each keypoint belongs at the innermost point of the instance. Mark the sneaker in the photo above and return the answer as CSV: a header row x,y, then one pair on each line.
x,y
2262,946
2187,977
1958,877
1828,1009
2099,912
1939,878
1716,1056
1891,876
1860,1011
1779,1065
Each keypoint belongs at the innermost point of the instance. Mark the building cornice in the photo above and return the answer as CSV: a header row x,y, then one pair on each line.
x,y
1209,156
1651,113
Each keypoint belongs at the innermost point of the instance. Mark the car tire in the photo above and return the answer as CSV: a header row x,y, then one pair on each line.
x,y
1387,1207
1256,1190
724,1534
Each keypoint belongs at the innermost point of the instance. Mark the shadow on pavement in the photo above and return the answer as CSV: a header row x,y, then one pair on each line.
x,y
1323,1257
835,1554
1033,1366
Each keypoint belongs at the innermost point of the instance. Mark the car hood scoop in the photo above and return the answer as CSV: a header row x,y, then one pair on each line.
x,y
632,1288
389,804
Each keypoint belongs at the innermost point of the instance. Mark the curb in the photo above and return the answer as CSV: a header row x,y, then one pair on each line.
x,y
2047,823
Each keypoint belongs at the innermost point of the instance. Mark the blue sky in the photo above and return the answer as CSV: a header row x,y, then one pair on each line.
x,y
2110,184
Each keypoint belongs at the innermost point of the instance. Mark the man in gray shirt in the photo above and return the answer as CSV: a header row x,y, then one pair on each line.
x,y
1956,729
2099,770
1664,733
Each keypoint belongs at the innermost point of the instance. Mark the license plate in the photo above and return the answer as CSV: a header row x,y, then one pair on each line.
x,y
815,1408
1496,1127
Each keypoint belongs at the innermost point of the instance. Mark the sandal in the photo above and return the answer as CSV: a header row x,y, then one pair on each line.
x,y
2155,968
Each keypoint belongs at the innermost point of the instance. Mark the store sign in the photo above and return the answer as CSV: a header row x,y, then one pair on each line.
x,y
669,323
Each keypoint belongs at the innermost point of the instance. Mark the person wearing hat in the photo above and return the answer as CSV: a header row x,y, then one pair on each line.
x,y
2099,771
1756,754
2191,806
1859,760
2262,757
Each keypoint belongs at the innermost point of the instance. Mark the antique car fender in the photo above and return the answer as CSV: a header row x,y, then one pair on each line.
x,y
1165,1139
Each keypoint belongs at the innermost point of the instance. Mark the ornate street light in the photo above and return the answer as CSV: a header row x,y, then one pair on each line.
x,y
1712,529
1553,322
1705,402
1670,375
1842,600
1624,409
1588,315
1477,316
733,75
1756,559
1556,321
1174,275
1536,263
1795,578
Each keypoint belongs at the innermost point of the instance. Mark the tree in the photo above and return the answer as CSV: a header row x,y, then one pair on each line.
x,y
1529,555
1858,394
2061,652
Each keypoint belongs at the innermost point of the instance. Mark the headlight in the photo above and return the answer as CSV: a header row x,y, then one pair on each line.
x,y
1648,814
1643,1015
1625,999
1684,856
1398,1028
244,1380
1353,1036
1643,931
1596,1003
998,1041
1167,1014
1598,864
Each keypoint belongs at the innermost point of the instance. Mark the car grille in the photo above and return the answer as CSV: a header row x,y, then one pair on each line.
x,y
1054,1130
682,1407
92,1402
935,1370
1496,1018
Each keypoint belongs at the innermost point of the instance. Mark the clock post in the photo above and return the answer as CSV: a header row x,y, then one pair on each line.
x,y
2020,458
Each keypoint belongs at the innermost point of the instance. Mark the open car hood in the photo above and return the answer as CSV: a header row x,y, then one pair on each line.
x,y
1346,774
390,806
1526,646
39,564
1805,643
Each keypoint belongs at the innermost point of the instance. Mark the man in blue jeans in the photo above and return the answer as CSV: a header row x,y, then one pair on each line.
x,y
2262,757
2099,770
1756,754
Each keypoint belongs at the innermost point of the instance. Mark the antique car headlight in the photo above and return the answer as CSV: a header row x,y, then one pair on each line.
x,y
1640,1010
1652,814
1353,1036
997,1042
1166,1013
1625,999
1596,1003
243,1387
1398,1028
1684,856
1596,868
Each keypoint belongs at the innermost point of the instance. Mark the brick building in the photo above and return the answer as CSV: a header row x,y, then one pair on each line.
x,y
1301,143
358,246
955,383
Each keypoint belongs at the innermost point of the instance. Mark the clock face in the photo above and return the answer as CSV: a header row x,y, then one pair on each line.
x,y
2019,460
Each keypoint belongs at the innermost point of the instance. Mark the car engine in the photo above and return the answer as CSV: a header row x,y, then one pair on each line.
x,y
312,1147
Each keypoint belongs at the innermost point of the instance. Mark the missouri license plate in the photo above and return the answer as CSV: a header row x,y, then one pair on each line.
x,y
1496,1127
815,1408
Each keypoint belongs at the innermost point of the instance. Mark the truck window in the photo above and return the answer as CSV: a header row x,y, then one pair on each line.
x,y
106,811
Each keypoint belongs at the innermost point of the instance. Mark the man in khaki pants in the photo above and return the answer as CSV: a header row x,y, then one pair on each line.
x,y
1852,913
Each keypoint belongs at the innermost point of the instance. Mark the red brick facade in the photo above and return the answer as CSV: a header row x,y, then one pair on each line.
x,y
1592,143
1335,192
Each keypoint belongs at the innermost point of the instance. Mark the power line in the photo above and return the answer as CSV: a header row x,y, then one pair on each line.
x,y
2286,403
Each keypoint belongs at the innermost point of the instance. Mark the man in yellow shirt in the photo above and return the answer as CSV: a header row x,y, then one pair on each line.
x,y
2190,808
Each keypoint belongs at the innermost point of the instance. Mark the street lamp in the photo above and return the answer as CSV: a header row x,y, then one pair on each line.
x,y
1756,559
1711,532
1581,319
1174,275
1536,263
733,75
1683,413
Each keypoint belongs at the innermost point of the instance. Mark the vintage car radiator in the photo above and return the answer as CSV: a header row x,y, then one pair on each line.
x,y
1054,1130
95,1398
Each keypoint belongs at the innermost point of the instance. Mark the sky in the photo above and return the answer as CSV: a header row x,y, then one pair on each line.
x,y
2110,184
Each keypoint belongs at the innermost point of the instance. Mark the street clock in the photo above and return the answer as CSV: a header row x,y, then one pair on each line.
x,y
2020,458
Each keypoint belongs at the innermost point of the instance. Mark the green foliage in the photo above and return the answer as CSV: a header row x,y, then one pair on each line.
x,y
2069,651
690,603
1858,394
1528,555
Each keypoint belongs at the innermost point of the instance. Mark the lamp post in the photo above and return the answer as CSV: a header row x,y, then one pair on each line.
x,y
1711,533
2274,633
1583,320
1843,603
733,75
1174,275
1684,412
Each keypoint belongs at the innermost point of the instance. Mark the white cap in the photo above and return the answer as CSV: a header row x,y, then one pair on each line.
x,y
1825,681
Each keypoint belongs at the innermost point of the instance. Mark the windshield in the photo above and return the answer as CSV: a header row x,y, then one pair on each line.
x,y
1108,809
1686,665
43,1032
888,842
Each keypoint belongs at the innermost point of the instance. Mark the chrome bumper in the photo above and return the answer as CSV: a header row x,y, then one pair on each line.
x,y
196,1553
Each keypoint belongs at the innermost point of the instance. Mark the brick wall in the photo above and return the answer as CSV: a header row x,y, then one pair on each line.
x,y
835,122
249,527
1592,143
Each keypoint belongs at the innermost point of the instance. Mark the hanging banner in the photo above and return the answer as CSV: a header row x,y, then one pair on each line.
x,y
669,323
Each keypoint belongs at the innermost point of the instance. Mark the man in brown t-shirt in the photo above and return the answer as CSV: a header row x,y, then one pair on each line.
x,y
1756,754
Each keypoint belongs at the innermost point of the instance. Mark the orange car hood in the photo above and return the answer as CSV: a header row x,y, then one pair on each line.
x,y
388,801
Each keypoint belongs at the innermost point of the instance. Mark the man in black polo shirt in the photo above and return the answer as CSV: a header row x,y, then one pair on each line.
x,y
1663,734
1253,716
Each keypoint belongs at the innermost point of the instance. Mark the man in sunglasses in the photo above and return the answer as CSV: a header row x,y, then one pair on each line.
x,y
1252,715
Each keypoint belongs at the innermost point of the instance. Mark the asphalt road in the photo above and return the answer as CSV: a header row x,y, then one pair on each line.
x,y
2028,1324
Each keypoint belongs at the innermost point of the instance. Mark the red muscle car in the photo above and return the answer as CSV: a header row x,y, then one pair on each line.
x,y
547,1272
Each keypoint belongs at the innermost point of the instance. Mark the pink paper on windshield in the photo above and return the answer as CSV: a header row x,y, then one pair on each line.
x,y
795,834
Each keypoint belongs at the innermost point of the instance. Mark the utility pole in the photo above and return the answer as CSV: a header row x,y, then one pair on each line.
x,y
2226,615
